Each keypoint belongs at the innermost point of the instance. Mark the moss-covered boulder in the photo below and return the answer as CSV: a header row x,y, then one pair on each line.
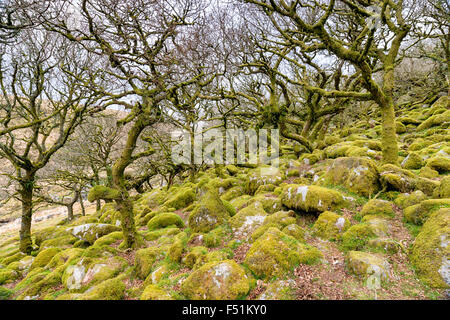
x,y
112,289
217,236
165,219
277,220
109,215
358,235
270,202
430,253
263,175
330,226
395,178
435,120
443,191
44,257
405,200
154,198
358,175
368,266
8,275
177,248
279,290
100,192
153,292
378,207
195,257
247,220
275,253
145,260
440,164
419,213
88,272
5,293
295,231
223,280
181,199
209,213
311,198
90,232
413,161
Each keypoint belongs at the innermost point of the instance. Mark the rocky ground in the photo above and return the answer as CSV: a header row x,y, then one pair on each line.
x,y
332,224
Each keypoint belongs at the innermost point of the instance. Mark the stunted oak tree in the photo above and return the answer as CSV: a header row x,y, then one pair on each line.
x,y
366,34
41,104
141,40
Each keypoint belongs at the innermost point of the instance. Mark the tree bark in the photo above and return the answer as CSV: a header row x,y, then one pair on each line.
x,y
26,194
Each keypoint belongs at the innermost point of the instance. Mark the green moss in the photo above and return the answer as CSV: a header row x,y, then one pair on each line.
x,y
177,247
164,220
153,198
208,214
419,213
181,199
330,226
276,253
12,258
427,172
384,245
5,293
232,193
230,208
109,239
430,250
358,175
65,257
216,237
311,198
395,178
277,220
219,255
44,257
405,200
428,186
92,231
100,192
263,175
248,219
112,289
309,159
42,286
440,164
443,191
378,207
357,236
7,275
145,259
60,242
166,232
195,257
413,162
223,280
295,231
366,264
153,292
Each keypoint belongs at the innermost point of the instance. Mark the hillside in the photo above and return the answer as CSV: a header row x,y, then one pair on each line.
x,y
332,224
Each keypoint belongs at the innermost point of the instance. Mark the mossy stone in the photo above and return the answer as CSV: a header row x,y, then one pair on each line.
x,y
430,252
223,280
330,226
312,198
209,213
275,253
